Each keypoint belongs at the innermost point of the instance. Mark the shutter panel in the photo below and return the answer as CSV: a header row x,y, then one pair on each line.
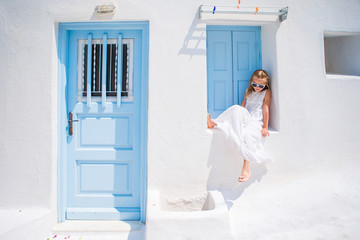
x,y
219,56
245,61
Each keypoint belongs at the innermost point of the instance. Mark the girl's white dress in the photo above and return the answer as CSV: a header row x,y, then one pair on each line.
x,y
242,128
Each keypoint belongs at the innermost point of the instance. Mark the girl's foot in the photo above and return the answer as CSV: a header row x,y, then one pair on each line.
x,y
245,176
210,122
245,173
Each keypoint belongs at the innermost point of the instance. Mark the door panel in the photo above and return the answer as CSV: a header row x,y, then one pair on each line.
x,y
99,131
103,162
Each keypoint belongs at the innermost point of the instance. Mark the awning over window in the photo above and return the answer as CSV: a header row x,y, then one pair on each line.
x,y
240,13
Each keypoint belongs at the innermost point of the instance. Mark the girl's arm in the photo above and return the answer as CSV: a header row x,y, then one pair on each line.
x,y
267,101
243,102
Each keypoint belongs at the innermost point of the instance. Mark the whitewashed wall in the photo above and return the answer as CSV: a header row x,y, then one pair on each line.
x,y
312,189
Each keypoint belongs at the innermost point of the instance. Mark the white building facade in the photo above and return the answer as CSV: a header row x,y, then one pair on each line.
x,y
136,161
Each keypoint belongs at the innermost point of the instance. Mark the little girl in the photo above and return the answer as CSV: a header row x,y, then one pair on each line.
x,y
246,126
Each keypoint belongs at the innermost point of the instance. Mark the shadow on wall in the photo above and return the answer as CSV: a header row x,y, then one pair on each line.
x,y
226,164
270,64
195,41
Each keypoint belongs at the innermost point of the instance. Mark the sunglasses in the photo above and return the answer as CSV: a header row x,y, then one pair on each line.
x,y
257,85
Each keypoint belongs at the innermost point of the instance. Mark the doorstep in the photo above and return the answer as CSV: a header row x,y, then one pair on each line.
x,y
98,230
98,226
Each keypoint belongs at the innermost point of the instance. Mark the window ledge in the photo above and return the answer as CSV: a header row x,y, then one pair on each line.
x,y
342,77
271,131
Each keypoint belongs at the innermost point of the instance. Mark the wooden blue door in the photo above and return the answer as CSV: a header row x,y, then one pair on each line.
x,y
104,130
233,54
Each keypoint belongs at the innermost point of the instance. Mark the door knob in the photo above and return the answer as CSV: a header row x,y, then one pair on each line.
x,y
71,120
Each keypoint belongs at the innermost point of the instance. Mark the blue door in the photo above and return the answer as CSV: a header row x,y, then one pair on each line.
x,y
104,132
233,54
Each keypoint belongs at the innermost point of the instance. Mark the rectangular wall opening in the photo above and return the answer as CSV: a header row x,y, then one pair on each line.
x,y
342,53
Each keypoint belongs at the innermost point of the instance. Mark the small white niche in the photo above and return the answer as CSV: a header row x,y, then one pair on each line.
x,y
342,53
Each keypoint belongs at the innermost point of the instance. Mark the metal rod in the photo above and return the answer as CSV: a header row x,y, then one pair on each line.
x,y
280,12
119,71
88,71
104,66
244,12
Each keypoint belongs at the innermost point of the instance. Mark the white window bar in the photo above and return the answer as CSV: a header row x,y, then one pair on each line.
x,y
104,66
94,70
119,71
88,71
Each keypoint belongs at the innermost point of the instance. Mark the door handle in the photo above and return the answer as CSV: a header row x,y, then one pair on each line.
x,y
71,120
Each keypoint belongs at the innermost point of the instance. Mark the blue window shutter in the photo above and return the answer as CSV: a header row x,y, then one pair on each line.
x,y
233,54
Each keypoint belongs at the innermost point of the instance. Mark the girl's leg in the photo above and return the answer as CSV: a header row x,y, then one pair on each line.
x,y
210,122
245,174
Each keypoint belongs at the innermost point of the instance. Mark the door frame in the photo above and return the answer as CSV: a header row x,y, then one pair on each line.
x,y
62,117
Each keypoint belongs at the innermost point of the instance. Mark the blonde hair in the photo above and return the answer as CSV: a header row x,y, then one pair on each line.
x,y
260,74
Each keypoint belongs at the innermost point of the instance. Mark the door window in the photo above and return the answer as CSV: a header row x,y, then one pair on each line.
x,y
111,69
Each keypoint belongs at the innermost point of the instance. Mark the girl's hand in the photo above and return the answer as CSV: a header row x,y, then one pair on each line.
x,y
265,132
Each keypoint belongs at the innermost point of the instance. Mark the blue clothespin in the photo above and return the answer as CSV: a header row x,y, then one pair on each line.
x,y
214,9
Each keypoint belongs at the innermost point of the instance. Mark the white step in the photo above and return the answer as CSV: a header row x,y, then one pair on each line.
x,y
98,230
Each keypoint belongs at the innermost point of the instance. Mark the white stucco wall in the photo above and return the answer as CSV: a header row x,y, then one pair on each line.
x,y
312,189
